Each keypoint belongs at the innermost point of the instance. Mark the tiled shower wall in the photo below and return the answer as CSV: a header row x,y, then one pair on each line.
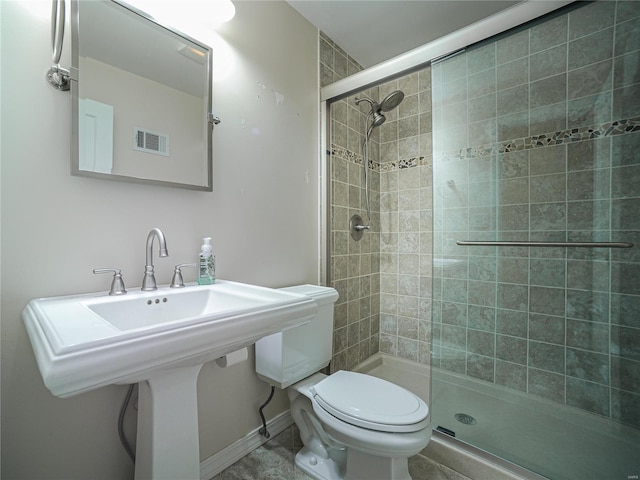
x,y
536,137
354,265
405,165
384,279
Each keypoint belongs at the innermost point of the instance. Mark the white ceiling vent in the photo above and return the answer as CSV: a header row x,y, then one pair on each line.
x,y
150,142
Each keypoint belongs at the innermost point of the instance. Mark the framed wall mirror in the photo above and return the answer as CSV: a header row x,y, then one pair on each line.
x,y
141,95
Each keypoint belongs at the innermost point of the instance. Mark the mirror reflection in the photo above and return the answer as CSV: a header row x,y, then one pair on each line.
x,y
142,99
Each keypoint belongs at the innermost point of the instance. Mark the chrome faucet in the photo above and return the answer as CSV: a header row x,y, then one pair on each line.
x,y
149,280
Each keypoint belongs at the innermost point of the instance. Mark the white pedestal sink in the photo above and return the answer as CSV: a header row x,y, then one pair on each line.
x,y
160,340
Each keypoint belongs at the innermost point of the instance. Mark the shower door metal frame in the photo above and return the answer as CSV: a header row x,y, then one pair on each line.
x,y
419,57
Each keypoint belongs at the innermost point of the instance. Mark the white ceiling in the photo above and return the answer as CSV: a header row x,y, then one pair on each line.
x,y
372,31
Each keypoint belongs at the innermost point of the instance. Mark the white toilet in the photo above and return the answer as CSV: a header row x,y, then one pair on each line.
x,y
353,426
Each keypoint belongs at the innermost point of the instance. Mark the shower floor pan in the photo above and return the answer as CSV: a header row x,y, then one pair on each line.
x,y
556,441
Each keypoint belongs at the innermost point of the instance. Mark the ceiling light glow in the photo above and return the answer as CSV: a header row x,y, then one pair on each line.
x,y
185,13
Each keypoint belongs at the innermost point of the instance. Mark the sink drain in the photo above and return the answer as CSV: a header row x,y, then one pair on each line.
x,y
464,418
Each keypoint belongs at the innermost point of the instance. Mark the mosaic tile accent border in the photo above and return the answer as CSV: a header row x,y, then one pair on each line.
x,y
385,167
410,162
345,154
573,135
401,164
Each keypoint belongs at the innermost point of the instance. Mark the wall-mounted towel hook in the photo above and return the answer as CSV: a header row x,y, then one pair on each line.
x,y
57,76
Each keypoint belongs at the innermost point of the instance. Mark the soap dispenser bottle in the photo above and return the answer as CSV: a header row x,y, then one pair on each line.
x,y
207,275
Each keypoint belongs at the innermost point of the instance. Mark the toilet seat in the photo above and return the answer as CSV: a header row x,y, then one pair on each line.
x,y
370,402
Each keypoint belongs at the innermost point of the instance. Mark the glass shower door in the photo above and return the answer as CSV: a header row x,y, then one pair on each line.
x,y
536,354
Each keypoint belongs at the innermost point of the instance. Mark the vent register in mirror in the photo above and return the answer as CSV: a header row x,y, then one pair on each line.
x,y
142,99
151,142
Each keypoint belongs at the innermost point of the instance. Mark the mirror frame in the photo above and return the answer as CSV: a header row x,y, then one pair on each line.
x,y
74,77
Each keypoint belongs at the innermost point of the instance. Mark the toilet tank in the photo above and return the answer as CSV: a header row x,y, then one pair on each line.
x,y
287,357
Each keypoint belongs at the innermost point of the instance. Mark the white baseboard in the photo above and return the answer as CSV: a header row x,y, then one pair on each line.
x,y
226,457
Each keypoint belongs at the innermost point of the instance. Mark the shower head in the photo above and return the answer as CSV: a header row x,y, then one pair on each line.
x,y
391,101
378,118
375,112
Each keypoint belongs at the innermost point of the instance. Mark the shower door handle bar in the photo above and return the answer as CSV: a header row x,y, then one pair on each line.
x,y
472,243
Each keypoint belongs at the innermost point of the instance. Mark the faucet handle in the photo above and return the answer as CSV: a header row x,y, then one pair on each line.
x,y
117,285
177,281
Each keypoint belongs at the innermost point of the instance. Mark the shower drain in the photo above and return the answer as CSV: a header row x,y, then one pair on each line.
x,y
464,418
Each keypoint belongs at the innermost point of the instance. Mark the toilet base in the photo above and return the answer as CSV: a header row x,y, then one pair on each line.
x,y
359,466
317,467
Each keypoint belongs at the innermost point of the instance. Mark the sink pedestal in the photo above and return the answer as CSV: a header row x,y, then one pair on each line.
x,y
168,441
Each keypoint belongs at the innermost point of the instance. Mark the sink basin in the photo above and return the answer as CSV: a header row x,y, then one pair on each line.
x,y
146,311
83,342
133,313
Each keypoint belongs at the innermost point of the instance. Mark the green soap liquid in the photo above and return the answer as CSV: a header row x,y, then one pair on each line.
x,y
207,275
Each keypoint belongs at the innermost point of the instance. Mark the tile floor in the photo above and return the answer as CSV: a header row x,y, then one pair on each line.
x,y
275,461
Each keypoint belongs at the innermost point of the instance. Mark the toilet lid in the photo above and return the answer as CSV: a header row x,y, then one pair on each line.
x,y
371,402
